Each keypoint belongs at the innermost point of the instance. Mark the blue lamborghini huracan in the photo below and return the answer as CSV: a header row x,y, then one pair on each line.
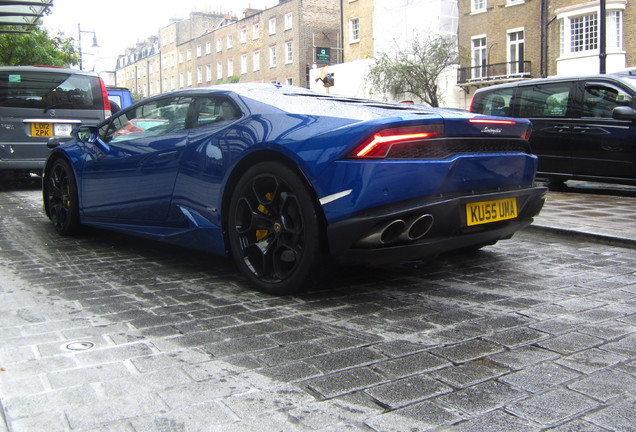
x,y
282,178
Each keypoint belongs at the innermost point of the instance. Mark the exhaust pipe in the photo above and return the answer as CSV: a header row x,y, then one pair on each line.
x,y
418,227
383,234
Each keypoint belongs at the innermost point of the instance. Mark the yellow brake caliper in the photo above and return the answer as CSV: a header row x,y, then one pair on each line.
x,y
261,234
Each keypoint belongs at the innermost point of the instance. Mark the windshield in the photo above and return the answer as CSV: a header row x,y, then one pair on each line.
x,y
45,90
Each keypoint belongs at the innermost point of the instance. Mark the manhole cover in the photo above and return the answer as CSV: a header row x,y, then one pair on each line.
x,y
79,346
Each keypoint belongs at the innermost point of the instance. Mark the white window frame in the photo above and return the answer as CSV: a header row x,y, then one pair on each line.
x,y
256,31
271,26
243,35
289,52
354,30
478,6
208,47
219,45
256,61
230,67
615,25
272,57
208,73
229,41
199,51
289,20
515,50
243,64
219,70
478,56
199,75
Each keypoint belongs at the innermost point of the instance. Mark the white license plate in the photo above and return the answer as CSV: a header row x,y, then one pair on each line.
x,y
62,129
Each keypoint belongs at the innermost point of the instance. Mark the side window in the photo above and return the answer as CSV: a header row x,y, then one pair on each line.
x,y
207,110
497,103
154,118
545,100
600,100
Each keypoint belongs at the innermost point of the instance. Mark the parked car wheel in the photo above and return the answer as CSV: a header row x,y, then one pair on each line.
x,y
274,230
61,195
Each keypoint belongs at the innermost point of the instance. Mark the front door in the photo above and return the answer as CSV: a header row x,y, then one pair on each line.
x,y
135,179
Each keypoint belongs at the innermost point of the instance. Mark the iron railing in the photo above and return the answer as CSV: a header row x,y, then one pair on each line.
x,y
494,72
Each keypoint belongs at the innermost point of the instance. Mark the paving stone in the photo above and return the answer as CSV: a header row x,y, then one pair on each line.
x,y
570,343
407,391
256,403
415,418
466,351
523,357
411,365
345,382
540,378
470,373
591,360
483,397
495,421
517,337
619,417
605,385
562,405
577,426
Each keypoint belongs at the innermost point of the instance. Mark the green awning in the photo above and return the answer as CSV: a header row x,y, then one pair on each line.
x,y
16,16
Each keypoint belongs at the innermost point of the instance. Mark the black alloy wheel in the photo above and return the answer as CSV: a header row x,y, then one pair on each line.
x,y
60,191
274,230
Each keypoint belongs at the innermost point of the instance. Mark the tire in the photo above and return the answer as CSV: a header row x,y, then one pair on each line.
x,y
60,189
274,230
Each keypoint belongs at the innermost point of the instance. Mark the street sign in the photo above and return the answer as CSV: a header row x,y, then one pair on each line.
x,y
323,55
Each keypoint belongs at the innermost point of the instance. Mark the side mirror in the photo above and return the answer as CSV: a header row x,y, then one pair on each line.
x,y
90,135
624,113
86,134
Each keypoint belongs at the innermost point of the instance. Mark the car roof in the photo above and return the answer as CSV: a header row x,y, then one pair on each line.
x,y
270,97
610,76
45,69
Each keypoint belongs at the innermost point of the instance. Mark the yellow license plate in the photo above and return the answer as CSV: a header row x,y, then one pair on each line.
x,y
42,130
484,212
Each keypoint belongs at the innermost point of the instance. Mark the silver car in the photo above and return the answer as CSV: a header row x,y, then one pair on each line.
x,y
38,104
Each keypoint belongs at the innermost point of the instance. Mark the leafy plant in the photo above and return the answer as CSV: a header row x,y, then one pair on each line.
x,y
415,71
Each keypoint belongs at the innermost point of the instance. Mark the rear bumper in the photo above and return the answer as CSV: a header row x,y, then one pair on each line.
x,y
382,234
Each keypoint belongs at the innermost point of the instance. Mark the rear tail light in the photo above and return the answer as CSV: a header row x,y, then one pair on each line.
x,y
492,121
380,143
527,133
107,112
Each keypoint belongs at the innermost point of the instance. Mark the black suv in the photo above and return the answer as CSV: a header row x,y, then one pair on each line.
x,y
584,127
41,103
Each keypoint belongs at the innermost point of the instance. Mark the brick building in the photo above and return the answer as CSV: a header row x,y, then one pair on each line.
x,y
504,40
276,44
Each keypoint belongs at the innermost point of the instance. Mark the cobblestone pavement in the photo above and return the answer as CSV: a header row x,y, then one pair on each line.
x,y
104,333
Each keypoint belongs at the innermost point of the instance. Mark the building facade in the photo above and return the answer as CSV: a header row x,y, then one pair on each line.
x,y
504,40
277,44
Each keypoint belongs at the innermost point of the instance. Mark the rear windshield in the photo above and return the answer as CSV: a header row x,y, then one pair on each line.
x,y
49,90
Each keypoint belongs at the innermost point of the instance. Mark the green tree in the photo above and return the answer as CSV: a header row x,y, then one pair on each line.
x,y
415,71
37,47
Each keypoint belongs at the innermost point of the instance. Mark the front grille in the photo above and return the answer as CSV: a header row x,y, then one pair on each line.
x,y
446,147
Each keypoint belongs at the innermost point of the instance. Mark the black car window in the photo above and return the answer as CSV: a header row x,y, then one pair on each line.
x,y
207,110
157,117
495,103
545,100
600,100
49,90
